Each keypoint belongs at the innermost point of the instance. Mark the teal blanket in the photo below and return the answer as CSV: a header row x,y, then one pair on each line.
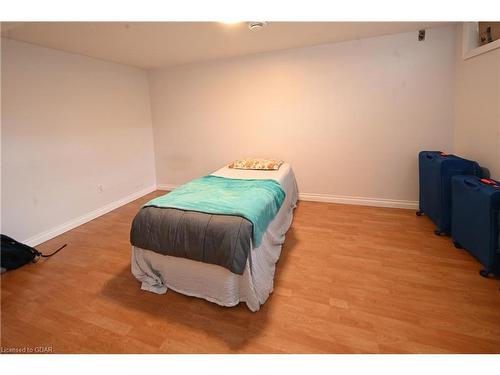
x,y
256,200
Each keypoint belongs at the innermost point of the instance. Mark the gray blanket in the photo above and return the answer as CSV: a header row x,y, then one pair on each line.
x,y
217,239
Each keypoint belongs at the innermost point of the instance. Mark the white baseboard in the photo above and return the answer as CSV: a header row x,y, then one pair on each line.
x,y
168,187
60,229
360,201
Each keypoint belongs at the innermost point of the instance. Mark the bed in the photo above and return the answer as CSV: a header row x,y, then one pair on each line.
x,y
252,283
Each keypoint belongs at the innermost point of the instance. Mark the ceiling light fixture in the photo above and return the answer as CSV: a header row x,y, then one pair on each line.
x,y
256,25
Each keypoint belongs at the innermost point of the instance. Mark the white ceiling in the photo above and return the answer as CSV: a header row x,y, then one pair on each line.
x,y
158,44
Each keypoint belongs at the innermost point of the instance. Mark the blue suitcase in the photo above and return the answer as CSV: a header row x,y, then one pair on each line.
x,y
476,219
435,171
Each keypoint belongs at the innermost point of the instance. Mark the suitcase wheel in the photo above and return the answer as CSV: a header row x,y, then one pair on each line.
x,y
457,245
438,232
419,213
484,273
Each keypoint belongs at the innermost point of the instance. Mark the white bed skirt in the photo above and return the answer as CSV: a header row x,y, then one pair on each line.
x,y
217,284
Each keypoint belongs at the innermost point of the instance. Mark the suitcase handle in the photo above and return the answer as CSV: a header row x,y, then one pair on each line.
x,y
471,184
490,182
430,156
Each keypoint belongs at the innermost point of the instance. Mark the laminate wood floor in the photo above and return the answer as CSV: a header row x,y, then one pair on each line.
x,y
351,279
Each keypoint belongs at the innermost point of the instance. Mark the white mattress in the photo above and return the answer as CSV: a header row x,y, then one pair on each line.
x,y
215,283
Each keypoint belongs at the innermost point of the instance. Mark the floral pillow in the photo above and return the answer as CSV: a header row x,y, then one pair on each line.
x,y
264,164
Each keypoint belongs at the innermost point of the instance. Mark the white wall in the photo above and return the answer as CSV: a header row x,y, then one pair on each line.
x,y
477,110
69,124
349,117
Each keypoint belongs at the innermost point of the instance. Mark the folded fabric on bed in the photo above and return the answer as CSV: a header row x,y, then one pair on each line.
x,y
255,200
216,239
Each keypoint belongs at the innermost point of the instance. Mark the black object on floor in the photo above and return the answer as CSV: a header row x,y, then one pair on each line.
x,y
15,254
